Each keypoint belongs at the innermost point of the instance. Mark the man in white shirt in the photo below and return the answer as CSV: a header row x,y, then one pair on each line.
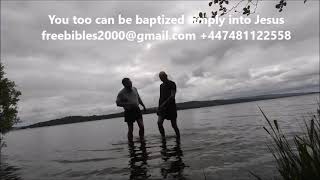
x,y
129,99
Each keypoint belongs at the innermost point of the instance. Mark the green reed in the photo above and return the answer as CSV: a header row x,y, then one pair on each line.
x,y
298,159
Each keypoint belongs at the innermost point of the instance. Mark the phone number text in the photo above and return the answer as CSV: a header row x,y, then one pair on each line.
x,y
247,35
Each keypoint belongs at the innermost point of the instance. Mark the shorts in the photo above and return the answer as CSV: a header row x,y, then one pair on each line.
x,y
132,115
169,113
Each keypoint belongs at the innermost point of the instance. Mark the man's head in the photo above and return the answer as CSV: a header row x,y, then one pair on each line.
x,y
163,76
127,83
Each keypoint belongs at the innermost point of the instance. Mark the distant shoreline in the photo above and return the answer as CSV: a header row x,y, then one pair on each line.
x,y
180,106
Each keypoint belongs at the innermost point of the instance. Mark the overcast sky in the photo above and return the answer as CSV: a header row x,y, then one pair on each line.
x,y
61,78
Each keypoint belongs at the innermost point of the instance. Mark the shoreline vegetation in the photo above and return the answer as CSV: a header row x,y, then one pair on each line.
x,y
180,106
297,157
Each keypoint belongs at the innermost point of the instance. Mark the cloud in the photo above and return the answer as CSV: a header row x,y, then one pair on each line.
x,y
61,78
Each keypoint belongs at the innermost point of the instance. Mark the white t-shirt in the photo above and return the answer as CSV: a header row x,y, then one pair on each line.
x,y
128,97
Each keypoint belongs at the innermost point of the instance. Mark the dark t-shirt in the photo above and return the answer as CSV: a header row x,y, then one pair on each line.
x,y
165,92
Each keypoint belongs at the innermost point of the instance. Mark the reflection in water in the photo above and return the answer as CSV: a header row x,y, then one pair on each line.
x,y
172,157
8,172
138,161
228,144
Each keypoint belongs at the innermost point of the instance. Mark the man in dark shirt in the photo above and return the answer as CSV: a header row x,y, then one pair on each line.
x,y
129,99
167,108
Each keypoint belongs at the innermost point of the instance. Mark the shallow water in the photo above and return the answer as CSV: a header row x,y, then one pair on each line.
x,y
221,142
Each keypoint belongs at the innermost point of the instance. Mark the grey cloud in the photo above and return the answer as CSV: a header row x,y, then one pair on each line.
x,y
199,72
60,78
182,81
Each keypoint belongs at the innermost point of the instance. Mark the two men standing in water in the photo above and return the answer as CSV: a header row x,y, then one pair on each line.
x,y
129,99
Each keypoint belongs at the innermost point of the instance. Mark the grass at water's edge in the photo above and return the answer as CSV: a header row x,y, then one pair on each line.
x,y
298,159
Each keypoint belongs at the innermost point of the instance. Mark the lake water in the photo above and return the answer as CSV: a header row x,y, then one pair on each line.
x,y
221,142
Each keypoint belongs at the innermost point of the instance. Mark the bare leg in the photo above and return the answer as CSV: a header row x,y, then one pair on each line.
x,y
130,132
141,129
175,127
160,126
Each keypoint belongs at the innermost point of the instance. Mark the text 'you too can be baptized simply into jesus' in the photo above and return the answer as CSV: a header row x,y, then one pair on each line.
x,y
164,20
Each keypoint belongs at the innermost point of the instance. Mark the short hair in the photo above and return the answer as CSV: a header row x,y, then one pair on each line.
x,y
162,73
125,80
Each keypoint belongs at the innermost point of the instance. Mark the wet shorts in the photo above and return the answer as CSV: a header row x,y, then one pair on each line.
x,y
169,113
132,115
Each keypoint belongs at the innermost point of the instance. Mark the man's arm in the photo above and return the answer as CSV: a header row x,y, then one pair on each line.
x,y
140,102
119,102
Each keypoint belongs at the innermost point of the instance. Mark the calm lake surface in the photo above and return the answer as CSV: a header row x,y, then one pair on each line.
x,y
221,142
